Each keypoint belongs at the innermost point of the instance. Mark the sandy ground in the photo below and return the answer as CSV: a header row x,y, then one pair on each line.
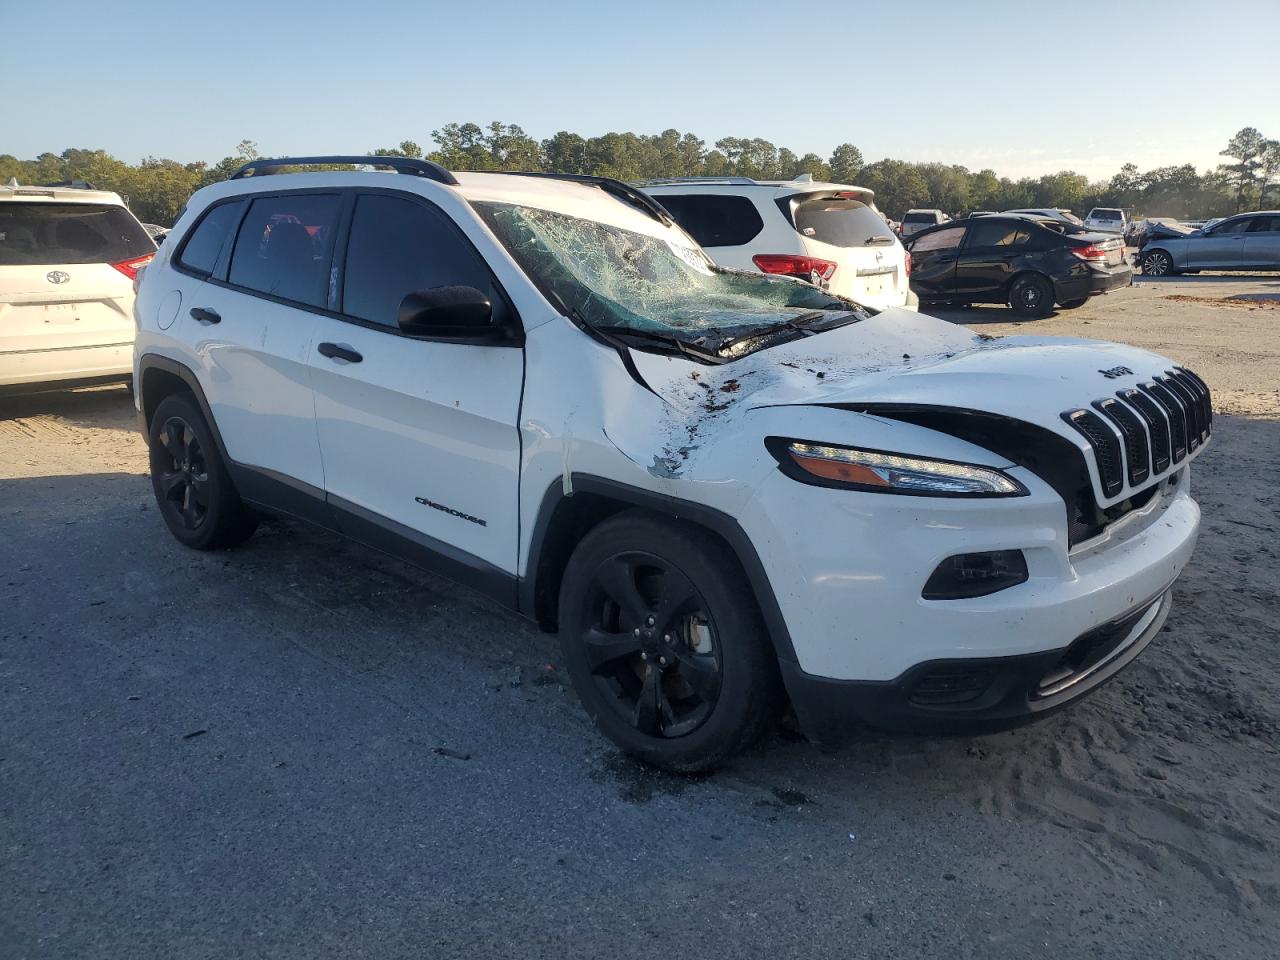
x,y
300,748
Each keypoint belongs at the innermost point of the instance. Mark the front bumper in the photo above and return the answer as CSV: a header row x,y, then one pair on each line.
x,y
975,695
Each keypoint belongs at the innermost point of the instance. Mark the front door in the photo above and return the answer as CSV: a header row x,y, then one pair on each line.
x,y
419,438
989,259
1221,248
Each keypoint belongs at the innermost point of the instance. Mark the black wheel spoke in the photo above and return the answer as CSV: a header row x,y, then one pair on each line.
x,y
604,650
200,491
701,672
648,713
171,484
172,440
678,595
618,579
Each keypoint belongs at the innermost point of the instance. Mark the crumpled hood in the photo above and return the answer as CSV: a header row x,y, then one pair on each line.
x,y
903,357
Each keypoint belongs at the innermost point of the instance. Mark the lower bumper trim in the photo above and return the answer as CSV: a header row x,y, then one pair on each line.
x,y
975,695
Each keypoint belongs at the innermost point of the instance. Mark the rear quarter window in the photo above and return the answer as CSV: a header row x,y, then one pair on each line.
x,y
840,222
47,233
715,220
200,251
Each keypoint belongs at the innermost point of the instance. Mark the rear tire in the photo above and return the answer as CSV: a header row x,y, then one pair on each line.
x,y
665,644
1031,296
192,487
1073,304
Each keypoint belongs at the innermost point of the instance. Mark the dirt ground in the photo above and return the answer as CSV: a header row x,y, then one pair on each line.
x,y
301,748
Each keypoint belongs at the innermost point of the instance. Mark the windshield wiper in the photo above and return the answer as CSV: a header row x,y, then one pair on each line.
x,y
651,338
878,238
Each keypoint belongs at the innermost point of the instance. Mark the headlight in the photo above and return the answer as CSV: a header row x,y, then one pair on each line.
x,y
878,471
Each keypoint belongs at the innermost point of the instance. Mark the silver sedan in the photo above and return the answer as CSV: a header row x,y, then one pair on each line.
x,y
1248,241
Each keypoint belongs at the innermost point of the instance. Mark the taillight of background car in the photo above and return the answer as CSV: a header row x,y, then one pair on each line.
x,y
812,269
1090,252
131,267
906,258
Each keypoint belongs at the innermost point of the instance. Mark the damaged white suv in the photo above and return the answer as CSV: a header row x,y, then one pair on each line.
x,y
728,491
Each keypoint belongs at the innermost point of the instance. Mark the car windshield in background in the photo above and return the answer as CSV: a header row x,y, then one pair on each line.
x,y
626,282
48,233
841,222
1071,217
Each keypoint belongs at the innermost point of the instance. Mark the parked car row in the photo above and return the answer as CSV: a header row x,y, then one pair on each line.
x,y
543,387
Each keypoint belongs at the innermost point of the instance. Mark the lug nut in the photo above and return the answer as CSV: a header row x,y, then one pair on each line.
x,y
662,661
635,632
666,638
644,656
651,621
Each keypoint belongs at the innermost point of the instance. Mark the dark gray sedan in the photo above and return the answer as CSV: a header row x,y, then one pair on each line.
x,y
1247,241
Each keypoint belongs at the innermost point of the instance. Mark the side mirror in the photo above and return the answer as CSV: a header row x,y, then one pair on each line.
x,y
450,313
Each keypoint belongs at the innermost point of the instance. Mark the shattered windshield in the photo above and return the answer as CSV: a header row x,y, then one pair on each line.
x,y
616,279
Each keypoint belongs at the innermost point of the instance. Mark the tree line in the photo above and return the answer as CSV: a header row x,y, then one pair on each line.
x,y
157,188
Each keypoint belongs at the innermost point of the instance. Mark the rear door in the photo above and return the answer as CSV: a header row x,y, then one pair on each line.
x,y
65,275
419,437
248,314
991,255
933,262
1262,244
1221,248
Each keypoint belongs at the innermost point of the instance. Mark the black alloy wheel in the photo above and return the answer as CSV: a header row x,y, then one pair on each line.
x,y
651,645
183,483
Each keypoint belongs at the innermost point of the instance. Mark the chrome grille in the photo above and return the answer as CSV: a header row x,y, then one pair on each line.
x,y
1139,434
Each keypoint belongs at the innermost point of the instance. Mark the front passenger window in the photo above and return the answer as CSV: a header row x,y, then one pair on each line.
x,y
399,246
939,240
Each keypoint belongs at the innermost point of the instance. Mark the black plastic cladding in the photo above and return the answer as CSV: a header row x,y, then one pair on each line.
x,y
1160,423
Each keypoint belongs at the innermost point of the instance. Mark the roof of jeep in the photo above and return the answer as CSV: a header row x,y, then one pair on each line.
x,y
584,200
36,194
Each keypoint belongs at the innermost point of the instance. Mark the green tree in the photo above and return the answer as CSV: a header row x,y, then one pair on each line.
x,y
846,163
1246,148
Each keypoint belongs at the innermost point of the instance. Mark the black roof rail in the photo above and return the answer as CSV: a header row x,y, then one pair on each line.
x,y
623,191
409,165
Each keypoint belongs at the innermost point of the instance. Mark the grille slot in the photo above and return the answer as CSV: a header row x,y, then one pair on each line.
x,y
1201,391
1106,448
1136,449
1191,404
1157,422
1172,407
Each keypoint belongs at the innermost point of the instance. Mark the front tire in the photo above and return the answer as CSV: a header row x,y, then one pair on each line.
x,y
1157,263
192,487
1031,297
665,644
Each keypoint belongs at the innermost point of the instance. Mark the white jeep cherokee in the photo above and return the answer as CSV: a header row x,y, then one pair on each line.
x,y
724,489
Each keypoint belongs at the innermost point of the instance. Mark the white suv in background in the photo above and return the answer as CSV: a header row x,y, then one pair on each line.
x,y
68,260
725,489
830,234
917,219
1107,220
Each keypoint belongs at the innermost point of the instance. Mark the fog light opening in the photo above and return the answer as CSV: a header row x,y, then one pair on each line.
x,y
976,575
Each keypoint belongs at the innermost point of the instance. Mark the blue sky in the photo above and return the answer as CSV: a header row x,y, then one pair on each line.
x,y
1021,87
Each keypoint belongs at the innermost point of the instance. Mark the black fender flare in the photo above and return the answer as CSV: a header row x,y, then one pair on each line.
x,y
716,521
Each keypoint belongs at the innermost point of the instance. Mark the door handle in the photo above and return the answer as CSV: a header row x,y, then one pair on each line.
x,y
335,351
205,315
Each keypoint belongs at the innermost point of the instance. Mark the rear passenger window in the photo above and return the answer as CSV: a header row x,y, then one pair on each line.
x,y
714,220
998,234
200,252
938,240
281,247
399,246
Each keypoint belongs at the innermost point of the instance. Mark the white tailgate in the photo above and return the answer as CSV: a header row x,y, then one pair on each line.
x,y
93,306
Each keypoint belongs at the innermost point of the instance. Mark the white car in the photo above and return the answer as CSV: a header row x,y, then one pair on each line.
x,y
830,234
725,490
913,221
68,259
1107,220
